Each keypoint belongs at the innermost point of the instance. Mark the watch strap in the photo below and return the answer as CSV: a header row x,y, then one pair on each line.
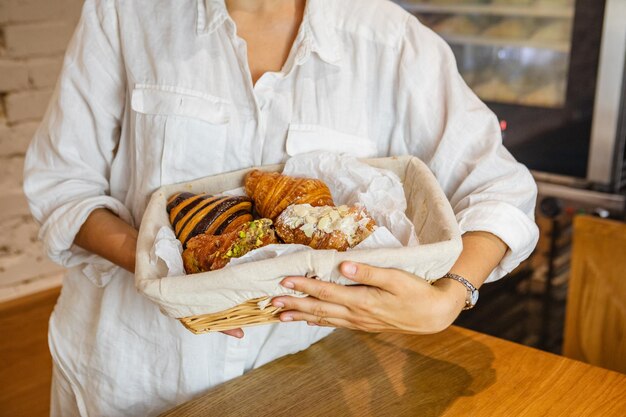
x,y
472,291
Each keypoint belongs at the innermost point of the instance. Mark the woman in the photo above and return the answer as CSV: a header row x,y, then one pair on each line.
x,y
161,91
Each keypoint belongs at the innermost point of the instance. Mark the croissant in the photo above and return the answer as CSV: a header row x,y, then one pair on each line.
x,y
272,192
194,214
210,252
325,227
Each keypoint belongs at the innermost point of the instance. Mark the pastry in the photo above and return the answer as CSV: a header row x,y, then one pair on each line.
x,y
510,28
513,2
550,95
496,90
210,252
325,227
194,214
556,31
457,2
554,3
458,25
273,192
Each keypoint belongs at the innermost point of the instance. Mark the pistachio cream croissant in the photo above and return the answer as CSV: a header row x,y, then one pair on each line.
x,y
194,214
210,252
272,192
325,227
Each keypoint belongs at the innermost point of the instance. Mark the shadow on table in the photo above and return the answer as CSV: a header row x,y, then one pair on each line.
x,y
393,378
358,374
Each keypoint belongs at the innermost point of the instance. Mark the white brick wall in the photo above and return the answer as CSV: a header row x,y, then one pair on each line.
x,y
33,38
26,105
37,39
15,139
39,10
13,75
42,72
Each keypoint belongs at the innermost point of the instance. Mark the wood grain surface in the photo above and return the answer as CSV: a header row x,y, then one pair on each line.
x,y
455,373
25,362
595,327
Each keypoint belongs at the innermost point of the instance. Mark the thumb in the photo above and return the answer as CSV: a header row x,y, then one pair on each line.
x,y
363,274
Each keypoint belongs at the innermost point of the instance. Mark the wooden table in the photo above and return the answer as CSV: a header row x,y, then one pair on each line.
x,y
455,373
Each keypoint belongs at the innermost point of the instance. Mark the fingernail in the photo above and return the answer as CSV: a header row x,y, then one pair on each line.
x,y
288,284
311,323
278,304
286,318
349,269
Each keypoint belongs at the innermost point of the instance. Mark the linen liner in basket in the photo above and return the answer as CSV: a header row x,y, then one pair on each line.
x,y
192,298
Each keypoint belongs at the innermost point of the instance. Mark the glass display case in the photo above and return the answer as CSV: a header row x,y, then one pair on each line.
x,y
553,73
513,52
538,65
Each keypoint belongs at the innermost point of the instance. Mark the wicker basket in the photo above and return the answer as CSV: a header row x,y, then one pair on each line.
x,y
188,298
246,314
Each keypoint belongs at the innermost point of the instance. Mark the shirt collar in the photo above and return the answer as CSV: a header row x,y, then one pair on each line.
x,y
211,15
319,29
317,32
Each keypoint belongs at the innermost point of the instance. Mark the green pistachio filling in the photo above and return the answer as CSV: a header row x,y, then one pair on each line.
x,y
249,238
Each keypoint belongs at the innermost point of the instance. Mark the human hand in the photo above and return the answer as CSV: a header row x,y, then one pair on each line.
x,y
389,300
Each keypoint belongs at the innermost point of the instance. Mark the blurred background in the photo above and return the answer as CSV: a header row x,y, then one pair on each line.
x,y
33,37
551,70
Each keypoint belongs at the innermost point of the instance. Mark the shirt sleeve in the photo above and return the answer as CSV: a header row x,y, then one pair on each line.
x,y
450,129
67,166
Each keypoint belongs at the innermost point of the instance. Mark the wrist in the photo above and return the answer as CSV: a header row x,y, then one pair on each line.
x,y
454,294
131,251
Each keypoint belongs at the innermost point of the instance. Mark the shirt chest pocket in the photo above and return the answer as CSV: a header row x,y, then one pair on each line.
x,y
179,135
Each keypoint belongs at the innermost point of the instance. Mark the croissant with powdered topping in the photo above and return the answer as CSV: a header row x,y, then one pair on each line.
x,y
325,227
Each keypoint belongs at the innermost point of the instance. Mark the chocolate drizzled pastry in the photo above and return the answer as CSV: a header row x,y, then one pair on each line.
x,y
194,214
209,252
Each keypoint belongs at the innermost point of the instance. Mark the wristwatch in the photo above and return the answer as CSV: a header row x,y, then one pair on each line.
x,y
472,292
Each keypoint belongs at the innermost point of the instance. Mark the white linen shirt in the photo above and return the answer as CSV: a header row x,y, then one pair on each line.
x,y
159,91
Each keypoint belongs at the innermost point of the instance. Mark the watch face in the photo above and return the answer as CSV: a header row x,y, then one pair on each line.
x,y
474,297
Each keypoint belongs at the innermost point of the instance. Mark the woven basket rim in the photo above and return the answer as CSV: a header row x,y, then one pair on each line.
x,y
243,315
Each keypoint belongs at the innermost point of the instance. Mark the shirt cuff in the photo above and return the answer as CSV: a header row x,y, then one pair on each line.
x,y
59,231
517,229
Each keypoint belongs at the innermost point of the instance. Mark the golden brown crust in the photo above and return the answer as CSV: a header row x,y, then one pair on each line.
x,y
210,252
273,192
292,229
319,240
194,214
